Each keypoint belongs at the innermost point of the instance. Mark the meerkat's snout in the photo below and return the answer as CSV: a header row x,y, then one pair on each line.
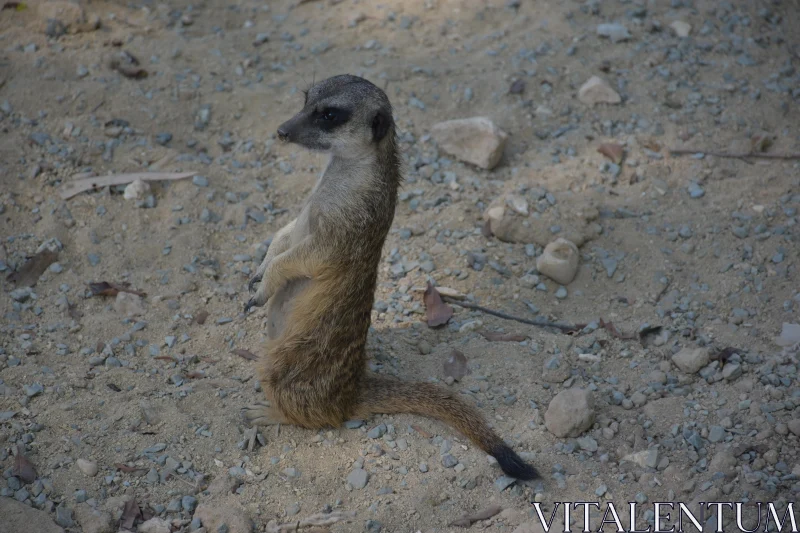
x,y
288,131
283,135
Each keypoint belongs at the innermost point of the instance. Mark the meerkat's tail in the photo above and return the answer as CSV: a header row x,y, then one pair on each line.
x,y
381,395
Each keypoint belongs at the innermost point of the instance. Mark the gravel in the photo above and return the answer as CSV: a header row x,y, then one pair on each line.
x,y
700,247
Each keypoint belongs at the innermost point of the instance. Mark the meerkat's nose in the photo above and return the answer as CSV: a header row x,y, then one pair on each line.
x,y
283,134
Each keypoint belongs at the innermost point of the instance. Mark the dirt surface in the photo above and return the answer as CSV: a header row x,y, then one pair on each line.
x,y
705,247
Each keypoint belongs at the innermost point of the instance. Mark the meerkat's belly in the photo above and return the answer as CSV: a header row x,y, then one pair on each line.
x,y
279,307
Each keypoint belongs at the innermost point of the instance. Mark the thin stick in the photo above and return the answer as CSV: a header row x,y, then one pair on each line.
x,y
71,188
732,155
566,328
320,519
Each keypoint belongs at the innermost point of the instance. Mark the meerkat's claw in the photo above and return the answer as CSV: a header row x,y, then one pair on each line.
x,y
259,414
255,280
251,303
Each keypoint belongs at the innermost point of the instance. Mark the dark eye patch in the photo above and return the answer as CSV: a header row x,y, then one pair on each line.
x,y
331,118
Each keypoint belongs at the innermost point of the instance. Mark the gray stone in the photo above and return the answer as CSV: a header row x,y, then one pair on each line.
x,y
358,478
570,413
598,91
503,482
174,506
588,444
189,503
646,458
33,390
731,371
616,32
716,434
475,140
690,360
22,294
64,516
377,432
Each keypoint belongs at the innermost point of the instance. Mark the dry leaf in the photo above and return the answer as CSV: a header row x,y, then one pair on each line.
x,y
486,229
201,317
246,354
104,288
724,354
455,366
651,144
438,313
612,329
16,6
647,332
421,431
23,468
502,337
71,188
761,142
29,273
485,514
129,71
517,87
613,151
129,514
74,312
166,358
113,387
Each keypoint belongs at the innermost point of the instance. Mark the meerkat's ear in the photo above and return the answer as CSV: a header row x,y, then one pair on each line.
x,y
380,126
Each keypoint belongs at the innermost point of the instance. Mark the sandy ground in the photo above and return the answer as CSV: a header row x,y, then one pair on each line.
x,y
705,247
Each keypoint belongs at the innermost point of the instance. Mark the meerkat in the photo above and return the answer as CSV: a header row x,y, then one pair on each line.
x,y
319,277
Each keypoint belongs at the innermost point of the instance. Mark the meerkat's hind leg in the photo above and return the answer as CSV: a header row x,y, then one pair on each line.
x,y
262,414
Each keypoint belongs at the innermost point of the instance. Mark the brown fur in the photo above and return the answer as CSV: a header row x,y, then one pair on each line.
x,y
321,290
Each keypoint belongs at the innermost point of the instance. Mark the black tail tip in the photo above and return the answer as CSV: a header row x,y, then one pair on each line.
x,y
513,465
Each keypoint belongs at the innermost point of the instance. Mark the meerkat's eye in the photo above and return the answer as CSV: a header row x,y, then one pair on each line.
x,y
329,114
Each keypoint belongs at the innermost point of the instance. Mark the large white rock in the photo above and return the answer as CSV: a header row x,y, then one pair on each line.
x,y
475,140
559,261
570,413
136,190
597,91
87,467
614,31
155,525
681,28
231,514
69,15
691,360
128,304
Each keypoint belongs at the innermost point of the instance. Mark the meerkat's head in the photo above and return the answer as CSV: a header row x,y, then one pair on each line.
x,y
345,115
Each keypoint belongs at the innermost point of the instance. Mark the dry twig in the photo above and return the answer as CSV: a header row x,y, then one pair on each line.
x,y
733,155
569,329
315,520
71,188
